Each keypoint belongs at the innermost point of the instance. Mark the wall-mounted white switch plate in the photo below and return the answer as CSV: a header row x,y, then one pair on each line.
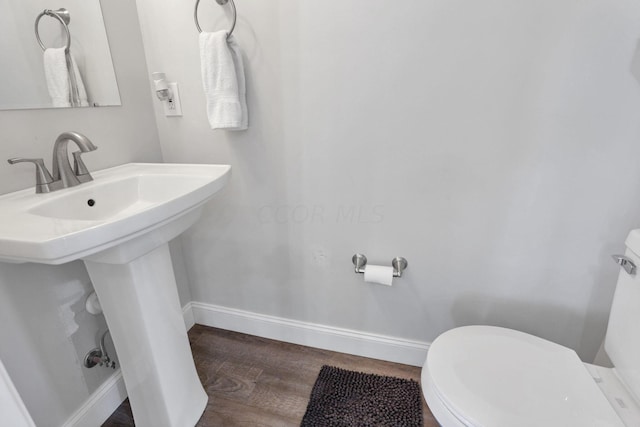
x,y
172,106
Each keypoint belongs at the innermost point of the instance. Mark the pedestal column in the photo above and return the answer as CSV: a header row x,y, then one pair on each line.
x,y
142,308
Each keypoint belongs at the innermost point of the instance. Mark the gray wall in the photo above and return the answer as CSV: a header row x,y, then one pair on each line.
x,y
45,329
493,144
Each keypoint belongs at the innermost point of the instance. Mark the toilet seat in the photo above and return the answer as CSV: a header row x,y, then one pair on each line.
x,y
490,376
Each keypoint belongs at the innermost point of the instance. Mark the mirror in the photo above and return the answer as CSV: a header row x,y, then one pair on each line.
x,y
23,84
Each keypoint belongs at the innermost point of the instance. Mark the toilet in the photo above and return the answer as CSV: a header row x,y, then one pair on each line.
x,y
496,377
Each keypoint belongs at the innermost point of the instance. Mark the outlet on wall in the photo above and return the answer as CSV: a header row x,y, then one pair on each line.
x,y
172,106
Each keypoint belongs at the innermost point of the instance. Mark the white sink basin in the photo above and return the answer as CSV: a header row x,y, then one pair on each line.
x,y
120,204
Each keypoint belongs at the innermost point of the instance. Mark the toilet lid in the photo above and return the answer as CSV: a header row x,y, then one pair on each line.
x,y
489,376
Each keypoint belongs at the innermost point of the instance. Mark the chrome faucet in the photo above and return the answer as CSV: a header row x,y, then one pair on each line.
x,y
62,168
63,175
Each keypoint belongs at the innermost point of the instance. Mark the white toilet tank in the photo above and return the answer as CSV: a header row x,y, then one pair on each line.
x,y
622,343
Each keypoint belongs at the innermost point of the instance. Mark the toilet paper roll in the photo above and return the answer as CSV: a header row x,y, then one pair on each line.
x,y
378,274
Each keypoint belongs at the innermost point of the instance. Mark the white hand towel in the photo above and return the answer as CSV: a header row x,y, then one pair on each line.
x,y
57,76
236,54
223,81
79,93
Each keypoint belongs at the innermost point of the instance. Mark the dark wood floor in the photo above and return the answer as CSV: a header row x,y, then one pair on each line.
x,y
254,381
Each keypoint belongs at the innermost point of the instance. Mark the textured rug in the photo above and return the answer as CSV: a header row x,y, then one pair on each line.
x,y
342,398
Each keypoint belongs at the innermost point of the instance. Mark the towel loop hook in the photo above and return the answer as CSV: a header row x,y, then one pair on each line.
x,y
61,15
221,3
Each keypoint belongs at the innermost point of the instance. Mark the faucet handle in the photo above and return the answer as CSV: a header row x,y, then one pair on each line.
x,y
79,168
43,177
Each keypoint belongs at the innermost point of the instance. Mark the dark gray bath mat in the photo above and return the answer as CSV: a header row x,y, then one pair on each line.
x,y
342,398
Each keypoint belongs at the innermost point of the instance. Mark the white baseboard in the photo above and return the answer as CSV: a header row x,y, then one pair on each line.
x,y
101,404
341,340
187,313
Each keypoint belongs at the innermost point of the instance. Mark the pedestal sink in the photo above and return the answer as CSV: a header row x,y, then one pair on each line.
x,y
120,225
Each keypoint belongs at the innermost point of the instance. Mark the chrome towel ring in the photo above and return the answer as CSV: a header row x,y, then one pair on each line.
x,y
61,15
221,3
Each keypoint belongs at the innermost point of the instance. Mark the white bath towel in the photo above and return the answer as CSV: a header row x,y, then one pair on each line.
x,y
223,81
56,71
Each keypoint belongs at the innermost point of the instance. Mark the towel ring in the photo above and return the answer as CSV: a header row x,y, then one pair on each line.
x,y
61,15
221,3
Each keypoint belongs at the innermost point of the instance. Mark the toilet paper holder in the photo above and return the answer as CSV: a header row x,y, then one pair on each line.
x,y
398,264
